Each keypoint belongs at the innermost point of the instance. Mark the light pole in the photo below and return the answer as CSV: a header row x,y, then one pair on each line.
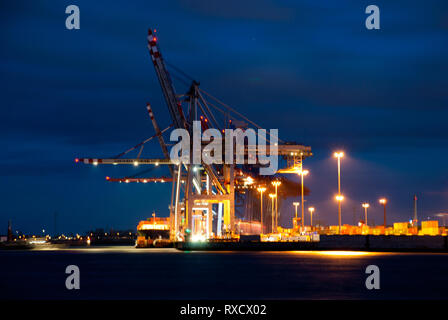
x,y
276,184
311,210
339,155
339,199
272,196
365,206
261,190
296,204
303,173
383,201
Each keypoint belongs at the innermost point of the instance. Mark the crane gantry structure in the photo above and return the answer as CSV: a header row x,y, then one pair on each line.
x,y
204,197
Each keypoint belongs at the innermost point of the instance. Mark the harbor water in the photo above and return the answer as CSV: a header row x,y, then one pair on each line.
x,y
128,273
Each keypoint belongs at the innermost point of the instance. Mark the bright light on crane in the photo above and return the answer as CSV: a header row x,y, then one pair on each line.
x,y
249,180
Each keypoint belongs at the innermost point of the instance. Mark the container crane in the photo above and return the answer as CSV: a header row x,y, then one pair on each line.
x,y
207,190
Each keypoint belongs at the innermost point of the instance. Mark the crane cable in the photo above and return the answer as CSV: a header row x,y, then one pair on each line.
x,y
234,111
141,143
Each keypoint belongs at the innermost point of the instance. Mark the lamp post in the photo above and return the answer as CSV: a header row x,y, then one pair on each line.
x,y
296,204
339,155
339,199
261,190
276,184
303,173
272,196
383,201
365,206
311,210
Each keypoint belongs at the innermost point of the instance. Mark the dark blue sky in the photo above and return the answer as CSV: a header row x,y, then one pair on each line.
x,y
309,68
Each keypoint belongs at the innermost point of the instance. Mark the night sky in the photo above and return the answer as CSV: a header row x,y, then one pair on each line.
x,y
309,68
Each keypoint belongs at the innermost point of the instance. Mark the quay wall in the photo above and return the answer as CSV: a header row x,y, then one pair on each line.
x,y
372,243
333,242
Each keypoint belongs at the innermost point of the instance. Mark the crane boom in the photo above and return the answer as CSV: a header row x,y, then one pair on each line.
x,y
134,162
141,180
158,132
174,105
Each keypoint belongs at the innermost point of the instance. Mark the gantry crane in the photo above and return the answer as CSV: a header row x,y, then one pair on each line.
x,y
203,196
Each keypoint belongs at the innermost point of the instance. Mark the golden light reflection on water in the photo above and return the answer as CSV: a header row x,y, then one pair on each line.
x,y
338,254
344,253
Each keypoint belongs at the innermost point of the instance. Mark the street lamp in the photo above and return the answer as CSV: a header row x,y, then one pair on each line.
x,y
339,155
339,198
296,204
261,190
383,201
303,173
276,184
365,206
272,196
311,210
